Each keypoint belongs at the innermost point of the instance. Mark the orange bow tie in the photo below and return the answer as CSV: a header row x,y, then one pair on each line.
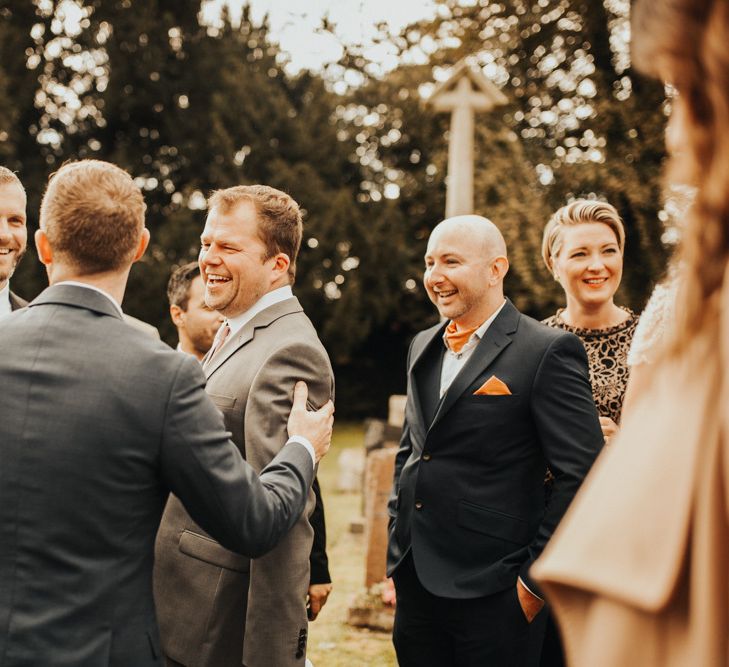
x,y
457,338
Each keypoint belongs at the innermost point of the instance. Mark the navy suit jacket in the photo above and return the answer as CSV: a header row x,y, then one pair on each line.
x,y
469,495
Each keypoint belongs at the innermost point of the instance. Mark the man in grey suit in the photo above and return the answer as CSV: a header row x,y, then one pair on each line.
x,y
100,421
217,608
13,237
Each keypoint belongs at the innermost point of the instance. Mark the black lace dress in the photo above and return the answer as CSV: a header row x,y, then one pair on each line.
x,y
607,353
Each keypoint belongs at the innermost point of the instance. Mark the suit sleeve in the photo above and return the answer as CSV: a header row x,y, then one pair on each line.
x,y
271,397
569,431
318,559
221,492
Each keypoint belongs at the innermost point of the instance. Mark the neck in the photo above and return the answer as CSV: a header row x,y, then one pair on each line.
x,y
187,347
112,282
473,320
593,316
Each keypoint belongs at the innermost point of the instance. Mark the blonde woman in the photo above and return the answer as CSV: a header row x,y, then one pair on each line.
x,y
582,247
637,571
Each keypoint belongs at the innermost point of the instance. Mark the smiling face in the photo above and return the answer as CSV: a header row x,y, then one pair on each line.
x,y
589,264
13,232
464,270
232,260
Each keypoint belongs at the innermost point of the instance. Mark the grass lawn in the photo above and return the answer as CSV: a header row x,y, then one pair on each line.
x,y
332,643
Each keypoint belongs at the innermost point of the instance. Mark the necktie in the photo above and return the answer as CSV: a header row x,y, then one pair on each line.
x,y
220,338
457,338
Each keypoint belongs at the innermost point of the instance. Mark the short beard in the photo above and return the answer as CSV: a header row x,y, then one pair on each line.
x,y
4,278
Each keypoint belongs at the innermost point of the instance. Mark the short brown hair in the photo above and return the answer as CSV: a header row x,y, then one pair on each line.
x,y
7,176
578,212
93,215
279,218
178,286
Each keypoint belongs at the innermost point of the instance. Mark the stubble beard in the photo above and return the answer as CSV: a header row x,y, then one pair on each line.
x,y
7,275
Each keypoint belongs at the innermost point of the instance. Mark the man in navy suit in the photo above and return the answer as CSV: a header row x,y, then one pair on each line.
x,y
494,399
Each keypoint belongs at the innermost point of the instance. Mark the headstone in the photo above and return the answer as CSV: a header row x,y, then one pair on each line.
x,y
396,410
351,464
464,93
378,485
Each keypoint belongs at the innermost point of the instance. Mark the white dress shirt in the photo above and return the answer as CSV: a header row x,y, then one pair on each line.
x,y
5,307
453,362
268,299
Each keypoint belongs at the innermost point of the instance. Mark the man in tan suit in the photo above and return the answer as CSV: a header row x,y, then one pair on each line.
x,y
216,608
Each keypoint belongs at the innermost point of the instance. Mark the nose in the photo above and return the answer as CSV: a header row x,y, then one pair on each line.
x,y
5,236
596,263
208,257
432,275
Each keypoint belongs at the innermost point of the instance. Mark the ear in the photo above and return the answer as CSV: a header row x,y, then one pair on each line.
x,y
43,246
143,243
178,316
499,269
281,263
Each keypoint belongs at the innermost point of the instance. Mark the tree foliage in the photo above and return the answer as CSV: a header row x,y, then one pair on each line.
x,y
187,107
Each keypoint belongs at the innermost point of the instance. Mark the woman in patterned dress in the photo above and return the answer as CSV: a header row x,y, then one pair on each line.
x,y
583,249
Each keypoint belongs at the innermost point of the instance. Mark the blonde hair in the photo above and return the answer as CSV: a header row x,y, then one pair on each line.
x,y
93,215
685,41
578,212
10,177
279,218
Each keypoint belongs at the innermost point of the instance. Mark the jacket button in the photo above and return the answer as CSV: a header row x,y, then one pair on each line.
x,y
426,457
418,505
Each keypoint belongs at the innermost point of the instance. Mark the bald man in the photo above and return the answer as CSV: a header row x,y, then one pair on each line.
x,y
494,399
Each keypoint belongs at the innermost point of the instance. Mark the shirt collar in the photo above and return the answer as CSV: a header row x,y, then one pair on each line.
x,y
96,289
5,306
237,322
480,332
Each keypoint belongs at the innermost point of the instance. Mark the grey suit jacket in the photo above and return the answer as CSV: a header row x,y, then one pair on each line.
x,y
209,616
99,422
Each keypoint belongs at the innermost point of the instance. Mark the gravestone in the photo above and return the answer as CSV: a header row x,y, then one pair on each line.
x,y
378,485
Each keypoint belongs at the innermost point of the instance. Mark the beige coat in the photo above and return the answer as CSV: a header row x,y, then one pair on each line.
x,y
638,571
209,614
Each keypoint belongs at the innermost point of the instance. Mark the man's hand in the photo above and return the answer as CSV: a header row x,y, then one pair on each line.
x,y
609,428
318,595
531,605
316,427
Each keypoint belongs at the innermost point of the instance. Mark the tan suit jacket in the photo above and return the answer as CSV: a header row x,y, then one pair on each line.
x,y
208,613
638,570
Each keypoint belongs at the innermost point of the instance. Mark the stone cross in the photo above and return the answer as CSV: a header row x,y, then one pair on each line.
x,y
464,93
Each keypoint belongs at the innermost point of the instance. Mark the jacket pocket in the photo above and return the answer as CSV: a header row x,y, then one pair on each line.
x,y
209,551
493,523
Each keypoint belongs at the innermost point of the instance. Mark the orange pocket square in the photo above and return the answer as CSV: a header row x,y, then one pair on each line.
x,y
493,387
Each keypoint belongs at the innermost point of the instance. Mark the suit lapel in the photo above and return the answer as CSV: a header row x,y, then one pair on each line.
x,y
247,332
16,303
425,374
497,338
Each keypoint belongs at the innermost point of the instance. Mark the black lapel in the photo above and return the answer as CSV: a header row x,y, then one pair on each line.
x,y
497,339
424,372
